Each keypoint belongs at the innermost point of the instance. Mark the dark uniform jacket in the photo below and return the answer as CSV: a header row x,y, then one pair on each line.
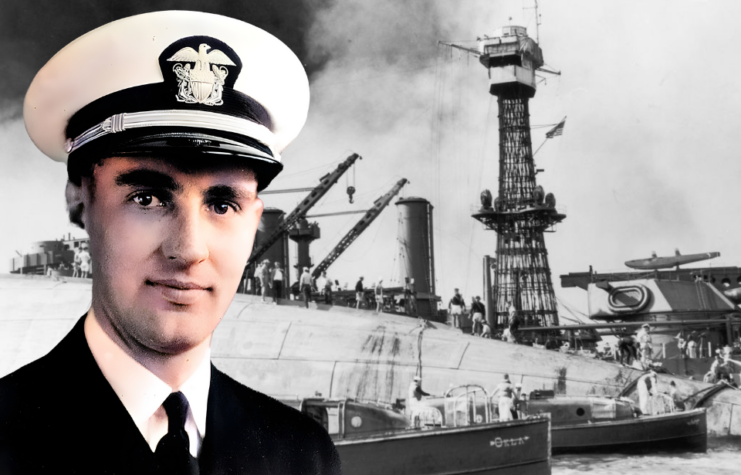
x,y
59,415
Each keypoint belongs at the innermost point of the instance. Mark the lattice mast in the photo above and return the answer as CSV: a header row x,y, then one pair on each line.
x,y
521,213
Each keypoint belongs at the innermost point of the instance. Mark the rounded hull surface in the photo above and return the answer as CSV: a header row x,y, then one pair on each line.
x,y
284,350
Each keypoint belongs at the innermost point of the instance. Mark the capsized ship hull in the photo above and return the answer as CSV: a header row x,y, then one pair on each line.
x,y
340,352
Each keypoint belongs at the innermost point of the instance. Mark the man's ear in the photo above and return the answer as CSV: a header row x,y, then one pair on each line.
x,y
75,204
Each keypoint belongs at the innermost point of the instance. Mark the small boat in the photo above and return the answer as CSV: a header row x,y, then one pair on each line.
x,y
655,263
582,424
607,425
377,439
520,447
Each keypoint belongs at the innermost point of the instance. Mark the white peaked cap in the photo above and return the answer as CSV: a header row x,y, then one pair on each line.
x,y
114,90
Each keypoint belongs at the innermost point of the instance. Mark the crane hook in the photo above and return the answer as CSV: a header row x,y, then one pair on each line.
x,y
350,192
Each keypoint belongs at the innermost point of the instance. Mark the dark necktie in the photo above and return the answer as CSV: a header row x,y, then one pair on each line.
x,y
173,454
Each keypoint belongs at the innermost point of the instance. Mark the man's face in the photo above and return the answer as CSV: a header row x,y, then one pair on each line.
x,y
168,248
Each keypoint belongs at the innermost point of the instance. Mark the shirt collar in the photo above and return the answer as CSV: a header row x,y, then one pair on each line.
x,y
140,391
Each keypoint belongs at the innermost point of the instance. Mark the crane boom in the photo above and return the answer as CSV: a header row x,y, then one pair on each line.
x,y
474,52
361,226
288,190
338,213
325,183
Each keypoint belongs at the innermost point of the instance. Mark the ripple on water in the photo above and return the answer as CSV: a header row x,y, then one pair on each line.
x,y
721,459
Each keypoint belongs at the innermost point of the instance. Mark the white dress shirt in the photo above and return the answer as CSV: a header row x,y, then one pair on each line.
x,y
142,393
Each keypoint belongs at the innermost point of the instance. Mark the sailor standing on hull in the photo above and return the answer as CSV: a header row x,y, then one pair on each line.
x,y
646,344
478,310
627,349
506,399
410,304
692,344
414,409
305,285
378,290
456,307
327,289
276,279
647,386
359,292
517,399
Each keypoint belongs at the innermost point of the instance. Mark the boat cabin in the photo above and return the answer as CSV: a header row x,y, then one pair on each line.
x,y
348,418
569,410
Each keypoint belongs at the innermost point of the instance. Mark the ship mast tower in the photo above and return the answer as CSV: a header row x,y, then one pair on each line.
x,y
521,212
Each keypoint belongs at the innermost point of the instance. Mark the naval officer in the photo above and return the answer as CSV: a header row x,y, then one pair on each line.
x,y
170,123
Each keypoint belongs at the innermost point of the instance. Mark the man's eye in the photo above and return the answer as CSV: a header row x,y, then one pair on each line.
x,y
221,208
147,200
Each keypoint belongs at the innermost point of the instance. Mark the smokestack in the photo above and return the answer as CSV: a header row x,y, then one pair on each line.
x,y
416,248
278,252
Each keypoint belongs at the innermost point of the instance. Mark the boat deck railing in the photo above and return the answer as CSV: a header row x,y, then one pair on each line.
x,y
466,405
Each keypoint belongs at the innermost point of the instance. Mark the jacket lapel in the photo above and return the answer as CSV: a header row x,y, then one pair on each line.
x,y
97,425
233,436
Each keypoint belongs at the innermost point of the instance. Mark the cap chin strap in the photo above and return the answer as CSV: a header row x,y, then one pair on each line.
x,y
177,118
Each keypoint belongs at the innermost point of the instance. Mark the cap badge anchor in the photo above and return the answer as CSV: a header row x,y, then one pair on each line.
x,y
205,82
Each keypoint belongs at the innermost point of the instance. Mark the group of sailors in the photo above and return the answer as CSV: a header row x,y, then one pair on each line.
x,y
722,367
688,345
82,264
651,401
510,396
637,347
267,277
383,299
479,325
270,278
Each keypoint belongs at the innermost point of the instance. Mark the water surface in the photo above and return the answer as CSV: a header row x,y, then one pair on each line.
x,y
722,458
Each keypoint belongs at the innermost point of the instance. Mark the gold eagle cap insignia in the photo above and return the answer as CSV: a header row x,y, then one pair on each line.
x,y
204,83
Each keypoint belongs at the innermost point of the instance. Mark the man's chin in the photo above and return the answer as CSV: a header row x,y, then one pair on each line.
x,y
174,346
176,329
173,341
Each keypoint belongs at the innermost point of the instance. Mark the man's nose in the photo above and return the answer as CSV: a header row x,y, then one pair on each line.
x,y
186,242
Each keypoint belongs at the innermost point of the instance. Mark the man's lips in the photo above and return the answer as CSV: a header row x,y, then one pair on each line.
x,y
179,292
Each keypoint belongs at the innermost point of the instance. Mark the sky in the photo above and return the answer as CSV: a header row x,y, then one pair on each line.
x,y
647,161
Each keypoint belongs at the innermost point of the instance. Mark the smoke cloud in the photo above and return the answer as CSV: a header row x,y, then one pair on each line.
x,y
646,162
412,108
34,30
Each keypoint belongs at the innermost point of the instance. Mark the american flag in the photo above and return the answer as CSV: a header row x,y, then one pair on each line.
x,y
557,130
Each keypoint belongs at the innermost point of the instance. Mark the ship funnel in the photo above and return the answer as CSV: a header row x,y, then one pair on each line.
x,y
278,252
416,249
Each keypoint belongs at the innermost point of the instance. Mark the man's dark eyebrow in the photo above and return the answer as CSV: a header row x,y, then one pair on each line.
x,y
226,192
148,179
